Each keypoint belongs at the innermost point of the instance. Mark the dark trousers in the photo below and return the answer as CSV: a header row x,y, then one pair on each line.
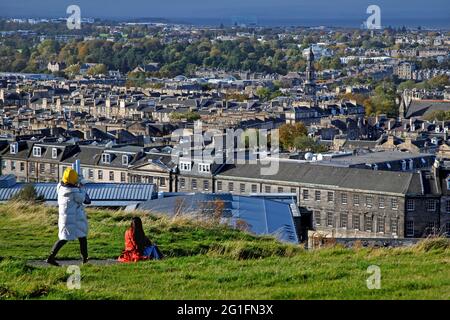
x,y
60,243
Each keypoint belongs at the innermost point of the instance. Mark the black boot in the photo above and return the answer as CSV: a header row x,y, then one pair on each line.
x,y
52,261
83,249
56,247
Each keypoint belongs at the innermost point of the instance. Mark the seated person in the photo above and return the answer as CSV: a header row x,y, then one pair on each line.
x,y
137,246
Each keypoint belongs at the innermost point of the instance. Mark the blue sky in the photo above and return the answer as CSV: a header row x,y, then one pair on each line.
x,y
425,10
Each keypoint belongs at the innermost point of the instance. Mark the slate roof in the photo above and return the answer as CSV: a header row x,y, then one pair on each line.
x,y
334,177
421,108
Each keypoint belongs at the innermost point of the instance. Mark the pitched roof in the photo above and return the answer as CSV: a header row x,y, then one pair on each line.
x,y
334,177
421,108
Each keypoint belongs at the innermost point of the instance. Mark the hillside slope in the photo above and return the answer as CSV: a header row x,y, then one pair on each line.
x,y
207,261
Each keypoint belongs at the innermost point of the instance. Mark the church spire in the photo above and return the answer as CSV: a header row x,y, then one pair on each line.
x,y
310,82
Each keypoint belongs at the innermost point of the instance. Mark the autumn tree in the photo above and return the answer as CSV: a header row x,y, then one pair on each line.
x,y
289,132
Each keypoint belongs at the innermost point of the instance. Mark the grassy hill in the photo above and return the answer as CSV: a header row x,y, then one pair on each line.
x,y
207,261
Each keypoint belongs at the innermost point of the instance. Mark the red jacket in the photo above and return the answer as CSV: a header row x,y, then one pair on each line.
x,y
131,252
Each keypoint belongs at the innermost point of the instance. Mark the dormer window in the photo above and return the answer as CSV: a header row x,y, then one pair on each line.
x,y
204,167
13,148
37,151
54,153
125,160
185,166
106,158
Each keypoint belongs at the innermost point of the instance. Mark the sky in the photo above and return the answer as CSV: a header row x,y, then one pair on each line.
x,y
418,12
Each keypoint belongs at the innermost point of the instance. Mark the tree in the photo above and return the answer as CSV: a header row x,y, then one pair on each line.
x,y
305,143
289,132
189,116
98,69
28,194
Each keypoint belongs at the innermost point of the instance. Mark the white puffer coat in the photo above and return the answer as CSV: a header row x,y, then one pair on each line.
x,y
72,220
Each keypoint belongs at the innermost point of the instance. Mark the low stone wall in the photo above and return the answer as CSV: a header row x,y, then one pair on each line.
x,y
316,242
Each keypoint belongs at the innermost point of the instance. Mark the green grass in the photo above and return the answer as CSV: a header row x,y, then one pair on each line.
x,y
208,261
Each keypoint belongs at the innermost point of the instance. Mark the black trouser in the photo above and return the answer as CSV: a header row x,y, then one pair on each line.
x,y
60,243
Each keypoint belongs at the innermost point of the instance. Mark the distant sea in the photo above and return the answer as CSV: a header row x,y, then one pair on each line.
x,y
424,23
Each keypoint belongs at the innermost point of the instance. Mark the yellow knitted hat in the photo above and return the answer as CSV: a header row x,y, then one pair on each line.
x,y
70,176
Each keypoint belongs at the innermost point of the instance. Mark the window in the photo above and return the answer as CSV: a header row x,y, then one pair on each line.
x,y
305,194
205,185
356,200
106,158
54,153
125,160
91,174
13,165
394,204
22,166
32,168
317,194
204,167
230,186
410,205
343,198
369,223
330,196
369,201
316,216
37,151
344,220
380,224
293,190
394,226
447,228
185,166
447,206
3,164
100,174
242,187
41,168
111,176
431,205
355,221
194,184
13,148
162,182
431,228
219,185
381,202
123,177
182,183
52,168
267,189
254,188
330,219
280,190
410,228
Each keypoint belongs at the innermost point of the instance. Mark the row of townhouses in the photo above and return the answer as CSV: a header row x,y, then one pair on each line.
x,y
337,201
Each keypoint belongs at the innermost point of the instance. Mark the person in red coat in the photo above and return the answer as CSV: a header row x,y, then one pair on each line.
x,y
135,243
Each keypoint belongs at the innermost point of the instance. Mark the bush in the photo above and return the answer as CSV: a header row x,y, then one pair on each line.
x,y
28,194
433,244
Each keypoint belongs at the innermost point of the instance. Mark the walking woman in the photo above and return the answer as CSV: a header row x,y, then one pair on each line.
x,y
72,221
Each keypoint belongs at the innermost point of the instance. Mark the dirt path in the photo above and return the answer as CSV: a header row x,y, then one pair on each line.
x,y
65,263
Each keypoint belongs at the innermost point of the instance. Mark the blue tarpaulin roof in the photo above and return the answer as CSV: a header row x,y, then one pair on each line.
x,y
262,216
101,194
